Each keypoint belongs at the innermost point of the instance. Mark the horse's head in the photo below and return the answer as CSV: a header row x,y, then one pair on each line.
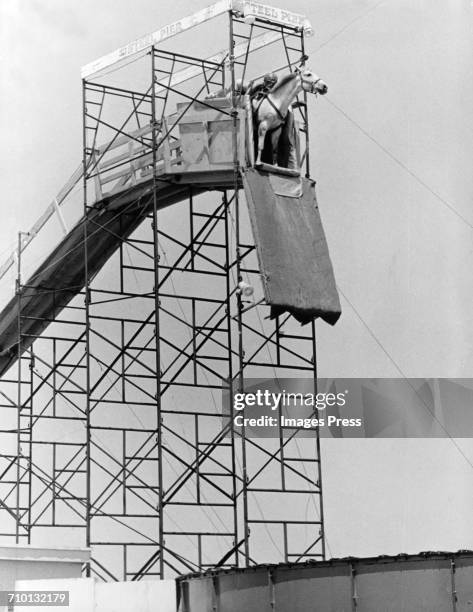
x,y
312,83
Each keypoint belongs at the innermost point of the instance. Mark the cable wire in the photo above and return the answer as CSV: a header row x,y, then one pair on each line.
x,y
404,376
406,168
348,25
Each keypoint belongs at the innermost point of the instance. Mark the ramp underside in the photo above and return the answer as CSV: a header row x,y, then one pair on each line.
x,y
292,251
61,275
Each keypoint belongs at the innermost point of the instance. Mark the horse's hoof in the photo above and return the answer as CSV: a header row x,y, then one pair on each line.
x,y
258,163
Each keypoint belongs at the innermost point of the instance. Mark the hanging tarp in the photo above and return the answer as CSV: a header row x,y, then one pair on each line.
x,y
292,251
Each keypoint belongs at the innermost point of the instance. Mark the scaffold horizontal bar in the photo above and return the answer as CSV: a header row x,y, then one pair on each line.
x,y
282,522
305,491
227,534
121,515
278,365
183,384
55,525
207,504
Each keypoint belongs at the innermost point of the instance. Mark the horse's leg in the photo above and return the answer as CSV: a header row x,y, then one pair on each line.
x,y
292,161
262,129
275,136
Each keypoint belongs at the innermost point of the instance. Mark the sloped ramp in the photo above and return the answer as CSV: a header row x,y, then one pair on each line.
x,y
61,275
292,251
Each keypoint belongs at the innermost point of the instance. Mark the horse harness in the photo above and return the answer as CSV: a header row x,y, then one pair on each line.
x,y
263,95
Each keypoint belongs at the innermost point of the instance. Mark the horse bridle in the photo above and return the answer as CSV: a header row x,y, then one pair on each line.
x,y
313,87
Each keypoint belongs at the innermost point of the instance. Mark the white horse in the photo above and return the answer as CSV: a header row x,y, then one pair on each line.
x,y
271,110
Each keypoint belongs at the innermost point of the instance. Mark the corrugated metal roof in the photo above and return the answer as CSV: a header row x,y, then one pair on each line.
x,y
340,561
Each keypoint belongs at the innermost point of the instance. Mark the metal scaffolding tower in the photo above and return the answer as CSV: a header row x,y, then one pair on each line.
x,y
115,432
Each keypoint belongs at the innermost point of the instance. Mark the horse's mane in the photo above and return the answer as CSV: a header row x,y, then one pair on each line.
x,y
283,80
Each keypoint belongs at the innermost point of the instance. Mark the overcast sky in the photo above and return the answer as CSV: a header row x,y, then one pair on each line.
x,y
392,152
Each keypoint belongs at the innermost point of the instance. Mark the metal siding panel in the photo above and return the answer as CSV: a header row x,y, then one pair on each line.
x,y
248,591
464,584
415,584
325,589
200,595
404,586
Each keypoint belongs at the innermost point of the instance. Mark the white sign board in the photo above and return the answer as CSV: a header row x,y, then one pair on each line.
x,y
271,13
156,37
246,7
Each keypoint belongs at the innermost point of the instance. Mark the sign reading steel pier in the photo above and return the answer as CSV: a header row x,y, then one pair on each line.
x,y
245,7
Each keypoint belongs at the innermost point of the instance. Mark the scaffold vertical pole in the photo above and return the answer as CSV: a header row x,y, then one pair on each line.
x,y
228,306
88,488
19,395
240,373
156,256
317,443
